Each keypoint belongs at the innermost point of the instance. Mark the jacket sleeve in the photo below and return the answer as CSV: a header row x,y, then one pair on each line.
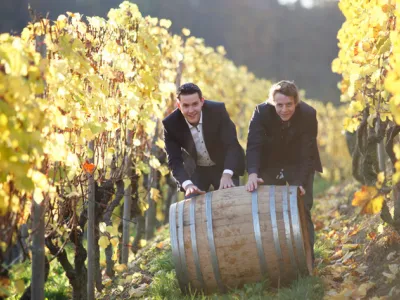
x,y
255,141
175,159
308,144
234,153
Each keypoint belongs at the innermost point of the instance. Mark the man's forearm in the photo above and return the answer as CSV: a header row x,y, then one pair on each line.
x,y
180,174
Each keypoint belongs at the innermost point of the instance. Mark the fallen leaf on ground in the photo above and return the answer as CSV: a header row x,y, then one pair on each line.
x,y
369,199
347,257
350,247
139,291
391,255
338,254
120,268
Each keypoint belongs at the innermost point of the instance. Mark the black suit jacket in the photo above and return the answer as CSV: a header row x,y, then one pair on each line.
x,y
219,136
295,151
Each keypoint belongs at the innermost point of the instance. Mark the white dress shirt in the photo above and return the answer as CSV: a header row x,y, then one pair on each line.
x,y
203,157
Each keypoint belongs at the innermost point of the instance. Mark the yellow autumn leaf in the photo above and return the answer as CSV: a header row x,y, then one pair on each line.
x,y
165,23
350,246
155,194
374,206
113,230
104,242
163,170
115,255
19,286
160,143
103,262
380,180
114,242
120,268
396,149
369,199
355,107
154,162
102,227
221,50
185,32
142,243
107,281
366,194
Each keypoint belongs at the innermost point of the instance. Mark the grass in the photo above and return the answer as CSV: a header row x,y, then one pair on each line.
x,y
165,284
308,288
320,185
162,262
57,285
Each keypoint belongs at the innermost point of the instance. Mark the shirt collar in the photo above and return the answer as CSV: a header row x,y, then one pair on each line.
x,y
200,121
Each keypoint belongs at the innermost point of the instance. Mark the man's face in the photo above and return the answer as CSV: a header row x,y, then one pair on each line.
x,y
190,106
284,106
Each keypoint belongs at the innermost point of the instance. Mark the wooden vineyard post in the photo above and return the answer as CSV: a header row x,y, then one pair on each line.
x,y
90,229
38,228
127,200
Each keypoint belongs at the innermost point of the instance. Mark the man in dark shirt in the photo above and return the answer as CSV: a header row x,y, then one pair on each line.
x,y
282,145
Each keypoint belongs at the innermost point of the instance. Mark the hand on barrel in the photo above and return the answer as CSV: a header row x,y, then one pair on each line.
x,y
252,183
191,189
226,181
302,191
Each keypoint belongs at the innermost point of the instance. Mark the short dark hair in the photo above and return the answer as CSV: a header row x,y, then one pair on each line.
x,y
188,89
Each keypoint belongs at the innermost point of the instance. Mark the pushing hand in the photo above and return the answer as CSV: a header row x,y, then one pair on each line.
x,y
253,182
302,191
226,181
192,189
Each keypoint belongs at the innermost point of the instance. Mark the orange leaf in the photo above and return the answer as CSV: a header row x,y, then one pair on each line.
x,y
338,254
88,167
331,233
366,194
318,225
372,235
355,50
354,231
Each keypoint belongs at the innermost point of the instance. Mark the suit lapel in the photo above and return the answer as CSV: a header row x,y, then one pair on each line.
x,y
188,142
207,125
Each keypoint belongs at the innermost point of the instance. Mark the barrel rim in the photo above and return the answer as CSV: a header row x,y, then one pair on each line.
x,y
175,246
298,234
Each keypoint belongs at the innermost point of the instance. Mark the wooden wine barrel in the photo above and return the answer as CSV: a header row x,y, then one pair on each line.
x,y
227,238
